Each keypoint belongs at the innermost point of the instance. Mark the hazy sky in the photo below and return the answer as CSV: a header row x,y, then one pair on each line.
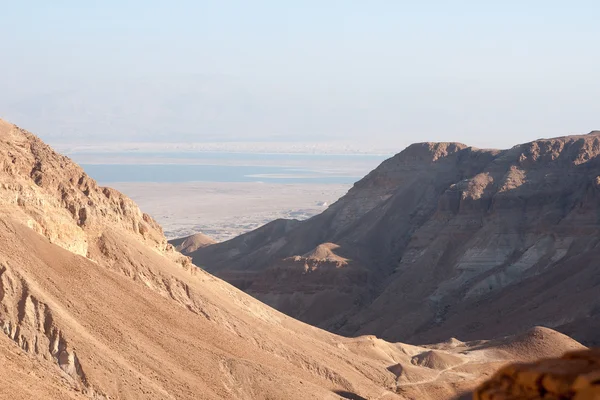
x,y
488,73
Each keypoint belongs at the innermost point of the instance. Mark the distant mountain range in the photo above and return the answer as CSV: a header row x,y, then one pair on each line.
x,y
187,109
339,147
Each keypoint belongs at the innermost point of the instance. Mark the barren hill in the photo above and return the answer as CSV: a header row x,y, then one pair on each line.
x,y
192,243
442,240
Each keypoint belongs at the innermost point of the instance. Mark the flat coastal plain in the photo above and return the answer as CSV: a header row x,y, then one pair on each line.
x,y
224,210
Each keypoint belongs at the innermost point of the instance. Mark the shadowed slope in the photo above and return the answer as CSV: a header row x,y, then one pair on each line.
x,y
455,240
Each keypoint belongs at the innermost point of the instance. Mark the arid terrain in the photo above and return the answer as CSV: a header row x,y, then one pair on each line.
x,y
94,303
440,240
226,210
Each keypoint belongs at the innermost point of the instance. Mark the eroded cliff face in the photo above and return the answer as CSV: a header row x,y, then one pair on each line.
x,y
53,196
30,322
444,240
510,246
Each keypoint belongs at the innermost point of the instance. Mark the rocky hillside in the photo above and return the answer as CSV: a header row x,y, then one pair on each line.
x,y
95,304
441,240
53,196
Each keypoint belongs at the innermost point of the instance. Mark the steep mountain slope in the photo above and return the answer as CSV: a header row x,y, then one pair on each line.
x,y
441,240
95,304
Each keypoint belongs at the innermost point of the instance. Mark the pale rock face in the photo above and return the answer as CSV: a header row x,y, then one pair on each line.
x,y
58,200
443,240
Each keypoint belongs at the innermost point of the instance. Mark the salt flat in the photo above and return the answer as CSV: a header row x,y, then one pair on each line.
x,y
224,210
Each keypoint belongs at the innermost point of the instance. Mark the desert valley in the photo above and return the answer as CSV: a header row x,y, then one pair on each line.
x,y
299,200
442,266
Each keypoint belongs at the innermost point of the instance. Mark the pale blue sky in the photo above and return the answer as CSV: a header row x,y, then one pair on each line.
x,y
481,72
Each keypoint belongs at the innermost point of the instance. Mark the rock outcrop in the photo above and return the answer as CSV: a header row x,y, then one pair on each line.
x,y
56,198
576,375
441,240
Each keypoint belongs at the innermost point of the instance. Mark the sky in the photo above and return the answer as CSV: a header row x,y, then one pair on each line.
x,y
489,74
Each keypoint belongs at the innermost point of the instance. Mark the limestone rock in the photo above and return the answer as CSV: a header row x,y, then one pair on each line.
x,y
576,376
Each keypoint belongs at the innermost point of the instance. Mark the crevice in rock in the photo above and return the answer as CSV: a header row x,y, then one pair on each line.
x,y
30,323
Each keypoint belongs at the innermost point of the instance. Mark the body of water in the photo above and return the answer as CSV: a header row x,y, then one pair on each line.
x,y
176,173
171,167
